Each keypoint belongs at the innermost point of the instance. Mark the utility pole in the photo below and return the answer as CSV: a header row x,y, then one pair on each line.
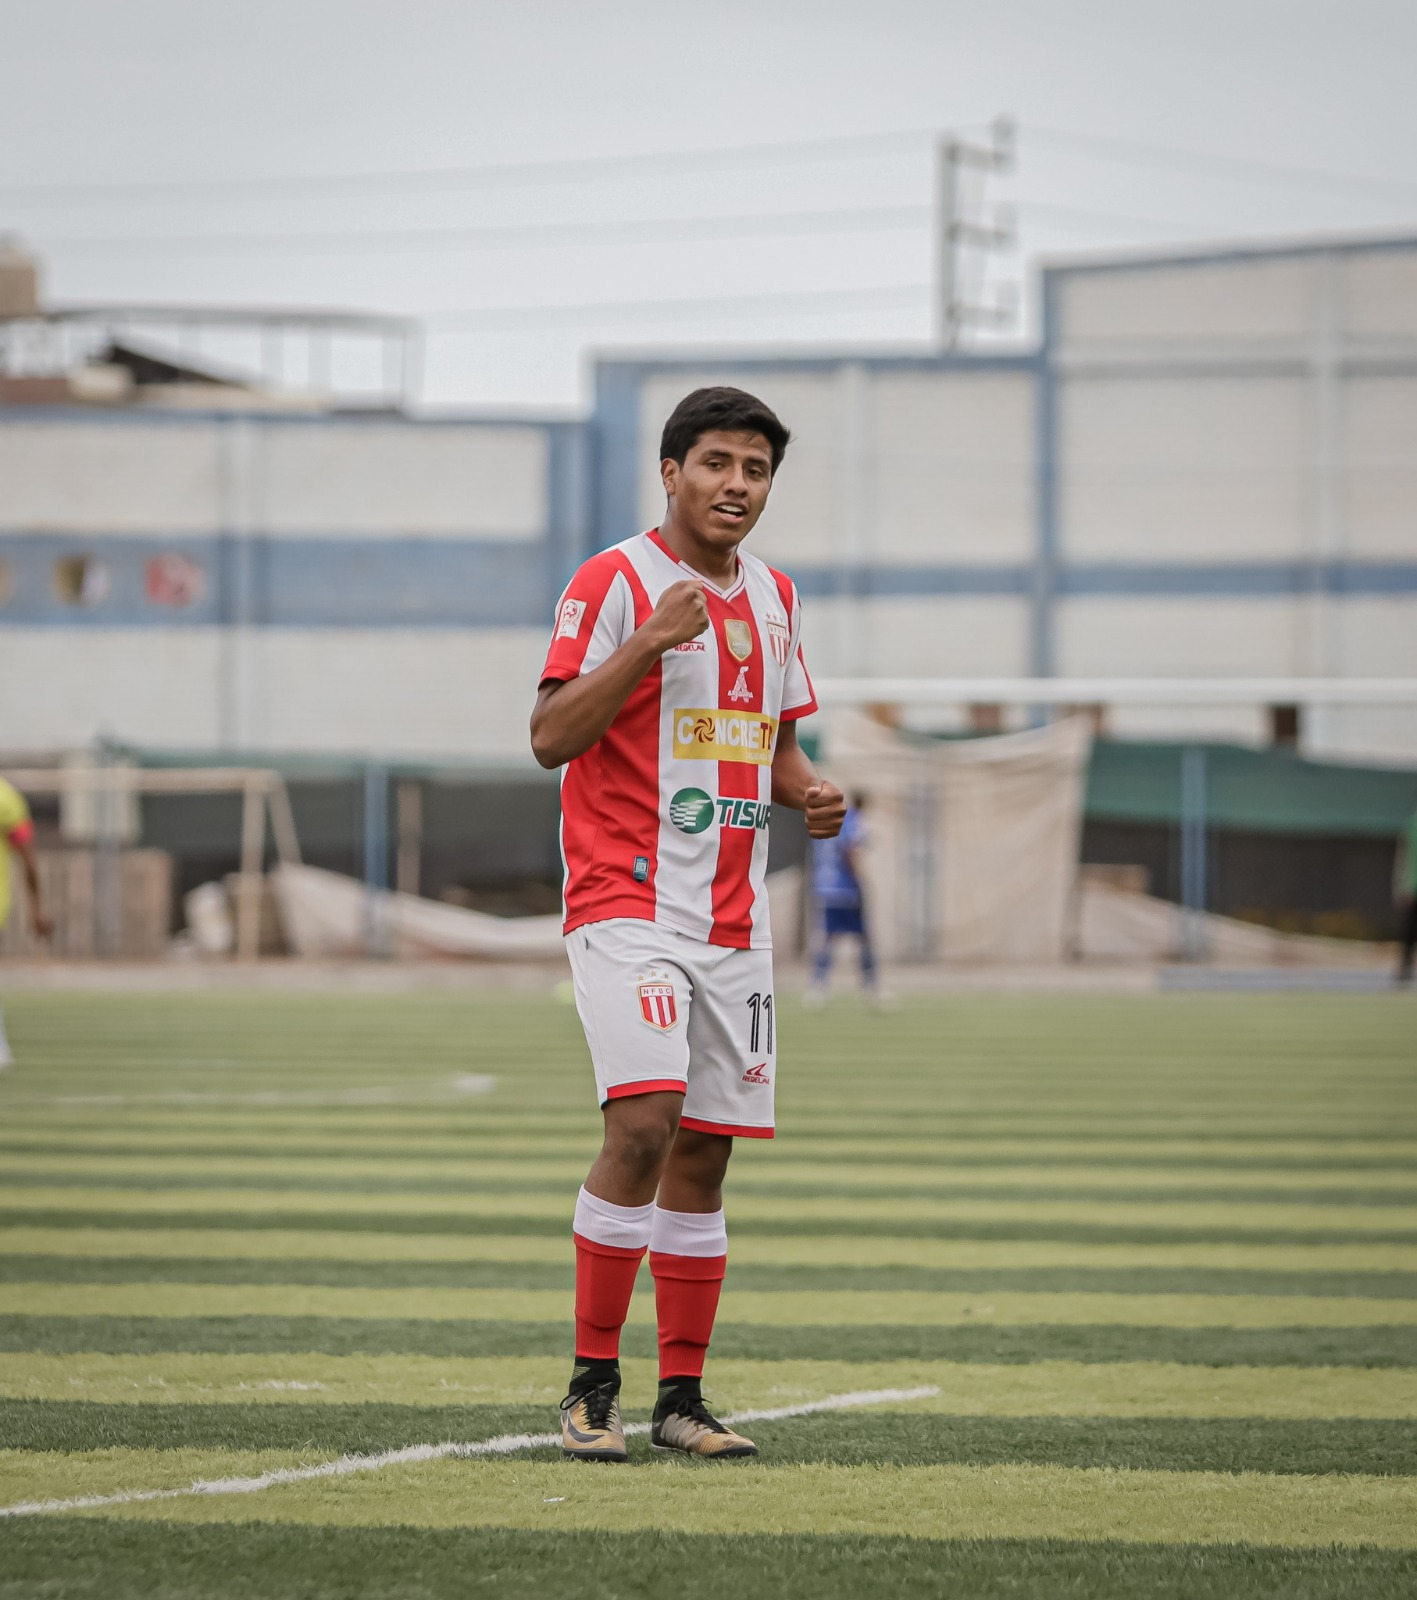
x,y
958,234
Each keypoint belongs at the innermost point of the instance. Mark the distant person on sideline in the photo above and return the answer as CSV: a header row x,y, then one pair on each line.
x,y
17,839
1404,885
840,902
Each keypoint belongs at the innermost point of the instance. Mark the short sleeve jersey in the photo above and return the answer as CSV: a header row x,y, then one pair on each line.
x,y
665,818
14,824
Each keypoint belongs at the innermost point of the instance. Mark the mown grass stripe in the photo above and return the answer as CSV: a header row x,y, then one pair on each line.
x,y
274,1135
1046,1387
785,1309
949,1197
521,1273
276,1141
745,1248
744,1224
1385,1447
1371,1346
476,1171
924,1502
117,1561
849,1213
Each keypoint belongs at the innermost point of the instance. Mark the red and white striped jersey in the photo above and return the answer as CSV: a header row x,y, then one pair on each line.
x,y
665,818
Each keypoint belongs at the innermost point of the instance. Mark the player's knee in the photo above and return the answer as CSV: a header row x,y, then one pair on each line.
x,y
702,1158
641,1134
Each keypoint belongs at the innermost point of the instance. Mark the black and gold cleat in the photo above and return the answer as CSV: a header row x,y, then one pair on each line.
x,y
684,1425
591,1429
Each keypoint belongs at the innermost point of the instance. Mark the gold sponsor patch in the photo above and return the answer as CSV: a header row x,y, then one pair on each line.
x,y
702,734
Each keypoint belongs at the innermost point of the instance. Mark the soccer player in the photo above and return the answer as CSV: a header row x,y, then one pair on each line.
x,y
837,888
17,838
671,695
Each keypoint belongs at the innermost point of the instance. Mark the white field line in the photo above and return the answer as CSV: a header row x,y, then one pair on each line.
x,y
374,1095
505,1445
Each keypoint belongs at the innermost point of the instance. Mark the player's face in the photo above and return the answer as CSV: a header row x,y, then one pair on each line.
x,y
720,490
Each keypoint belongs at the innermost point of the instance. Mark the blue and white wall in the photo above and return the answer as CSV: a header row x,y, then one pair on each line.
x,y
905,510
1229,475
364,584
1208,467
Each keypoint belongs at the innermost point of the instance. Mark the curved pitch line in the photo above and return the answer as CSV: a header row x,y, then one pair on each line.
x,y
504,1445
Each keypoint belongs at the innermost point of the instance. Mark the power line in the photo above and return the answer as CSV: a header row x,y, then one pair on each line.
x,y
498,174
1102,221
540,235
1240,168
884,297
537,235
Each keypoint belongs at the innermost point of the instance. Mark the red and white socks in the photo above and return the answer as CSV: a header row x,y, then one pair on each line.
x,y
611,1242
688,1254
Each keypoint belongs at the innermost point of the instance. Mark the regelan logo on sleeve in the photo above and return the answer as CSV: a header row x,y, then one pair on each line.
x,y
705,734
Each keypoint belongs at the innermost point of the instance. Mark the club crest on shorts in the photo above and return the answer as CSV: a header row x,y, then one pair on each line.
x,y
739,638
657,1005
779,638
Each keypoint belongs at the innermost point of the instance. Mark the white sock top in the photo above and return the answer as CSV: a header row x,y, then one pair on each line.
x,y
624,1227
689,1233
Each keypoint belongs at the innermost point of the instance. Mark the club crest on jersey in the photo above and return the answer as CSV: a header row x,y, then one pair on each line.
x,y
568,619
779,638
740,690
739,638
657,1005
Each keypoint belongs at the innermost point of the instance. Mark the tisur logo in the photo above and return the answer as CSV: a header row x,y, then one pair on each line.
x,y
691,810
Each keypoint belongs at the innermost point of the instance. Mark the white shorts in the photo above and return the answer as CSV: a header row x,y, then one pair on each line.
x,y
663,1011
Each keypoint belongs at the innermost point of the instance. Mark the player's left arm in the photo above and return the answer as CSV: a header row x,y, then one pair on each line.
x,y
797,784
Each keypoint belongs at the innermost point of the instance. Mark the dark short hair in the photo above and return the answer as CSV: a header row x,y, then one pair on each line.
x,y
720,410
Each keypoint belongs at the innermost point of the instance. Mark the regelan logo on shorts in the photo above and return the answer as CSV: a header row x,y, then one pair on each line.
x,y
703,734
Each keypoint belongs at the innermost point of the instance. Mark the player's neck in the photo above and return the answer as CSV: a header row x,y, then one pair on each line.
x,y
719,566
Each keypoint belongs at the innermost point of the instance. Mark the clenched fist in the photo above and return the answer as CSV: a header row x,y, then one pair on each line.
x,y
825,810
681,615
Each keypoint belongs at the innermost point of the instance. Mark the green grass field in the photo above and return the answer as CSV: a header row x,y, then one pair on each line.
x,y
1153,1260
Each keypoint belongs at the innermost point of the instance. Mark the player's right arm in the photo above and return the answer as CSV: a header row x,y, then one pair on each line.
x,y
571,714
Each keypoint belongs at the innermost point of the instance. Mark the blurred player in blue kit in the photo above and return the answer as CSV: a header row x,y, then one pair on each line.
x,y
837,876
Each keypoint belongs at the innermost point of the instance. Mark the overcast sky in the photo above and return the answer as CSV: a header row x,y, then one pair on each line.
x,y
100,97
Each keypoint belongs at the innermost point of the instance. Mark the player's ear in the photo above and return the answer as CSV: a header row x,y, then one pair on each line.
x,y
669,475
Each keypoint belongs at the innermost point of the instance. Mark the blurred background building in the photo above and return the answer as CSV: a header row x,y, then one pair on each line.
x,y
224,535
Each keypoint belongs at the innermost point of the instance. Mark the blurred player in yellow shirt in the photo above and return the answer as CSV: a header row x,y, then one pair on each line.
x,y
17,839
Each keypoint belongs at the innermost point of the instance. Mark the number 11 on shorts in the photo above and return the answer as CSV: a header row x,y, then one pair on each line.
x,y
760,1023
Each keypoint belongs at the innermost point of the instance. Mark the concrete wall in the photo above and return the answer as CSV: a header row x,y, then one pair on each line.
x,y
1233,458
352,584
1208,467
904,508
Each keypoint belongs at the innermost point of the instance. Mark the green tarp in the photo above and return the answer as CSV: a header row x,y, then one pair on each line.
x,y
1266,791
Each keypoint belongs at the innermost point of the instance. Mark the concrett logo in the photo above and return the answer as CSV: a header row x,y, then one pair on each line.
x,y
704,734
691,811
